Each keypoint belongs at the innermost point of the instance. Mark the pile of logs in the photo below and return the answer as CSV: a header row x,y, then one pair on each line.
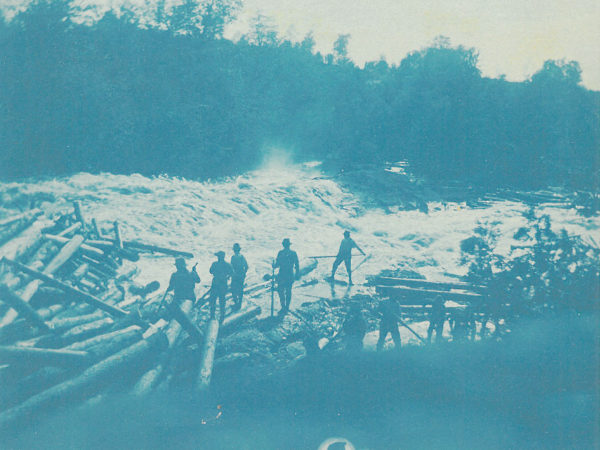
x,y
411,291
67,332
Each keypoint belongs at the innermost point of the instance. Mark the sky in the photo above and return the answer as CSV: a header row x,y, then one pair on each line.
x,y
513,37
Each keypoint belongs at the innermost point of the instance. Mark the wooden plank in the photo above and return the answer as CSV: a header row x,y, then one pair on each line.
x,y
88,383
425,296
42,356
88,298
71,246
208,354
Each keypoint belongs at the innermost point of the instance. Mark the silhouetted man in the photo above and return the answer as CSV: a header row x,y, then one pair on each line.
x,y
221,271
345,255
354,328
182,282
437,317
390,312
287,261
240,267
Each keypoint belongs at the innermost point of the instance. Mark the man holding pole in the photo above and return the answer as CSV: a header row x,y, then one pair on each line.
x,y
345,255
287,261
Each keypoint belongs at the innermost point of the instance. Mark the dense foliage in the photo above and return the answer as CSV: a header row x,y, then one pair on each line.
x,y
174,97
545,270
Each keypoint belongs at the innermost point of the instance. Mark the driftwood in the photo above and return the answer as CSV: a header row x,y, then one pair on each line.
x,y
88,383
423,296
88,298
59,259
42,356
208,354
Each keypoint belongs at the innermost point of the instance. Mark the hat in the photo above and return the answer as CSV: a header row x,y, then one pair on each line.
x,y
286,242
236,246
220,253
179,262
346,233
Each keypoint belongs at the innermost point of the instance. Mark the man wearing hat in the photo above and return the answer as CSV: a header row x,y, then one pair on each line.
x,y
221,271
287,261
240,267
182,282
345,255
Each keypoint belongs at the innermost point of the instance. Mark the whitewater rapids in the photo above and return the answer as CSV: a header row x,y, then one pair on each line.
x,y
258,209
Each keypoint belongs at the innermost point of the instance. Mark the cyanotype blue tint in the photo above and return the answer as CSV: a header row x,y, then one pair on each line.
x,y
478,196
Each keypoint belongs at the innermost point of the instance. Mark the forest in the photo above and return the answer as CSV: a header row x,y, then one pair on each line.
x,y
172,96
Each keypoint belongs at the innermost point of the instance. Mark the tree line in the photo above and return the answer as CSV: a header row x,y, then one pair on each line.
x,y
174,97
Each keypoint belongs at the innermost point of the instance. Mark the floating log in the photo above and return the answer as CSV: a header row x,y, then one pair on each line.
x,y
88,298
59,259
151,378
16,227
208,354
43,356
87,248
410,282
80,272
76,226
95,228
88,383
22,307
425,296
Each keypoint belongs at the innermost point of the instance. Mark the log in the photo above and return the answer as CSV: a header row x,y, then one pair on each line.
x,y
156,249
234,320
76,226
78,214
304,270
80,272
88,383
95,228
208,354
183,319
27,215
86,330
22,307
104,345
118,240
88,298
87,248
410,282
15,229
43,357
60,325
151,378
425,296
59,259
26,243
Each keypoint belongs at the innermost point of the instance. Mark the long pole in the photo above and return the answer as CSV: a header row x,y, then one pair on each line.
x,y
273,289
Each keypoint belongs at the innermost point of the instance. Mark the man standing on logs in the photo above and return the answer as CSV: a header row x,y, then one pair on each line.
x,y
287,261
240,267
390,313
182,282
437,317
221,271
345,255
354,328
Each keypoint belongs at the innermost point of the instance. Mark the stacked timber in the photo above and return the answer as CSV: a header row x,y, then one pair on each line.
x,y
411,291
